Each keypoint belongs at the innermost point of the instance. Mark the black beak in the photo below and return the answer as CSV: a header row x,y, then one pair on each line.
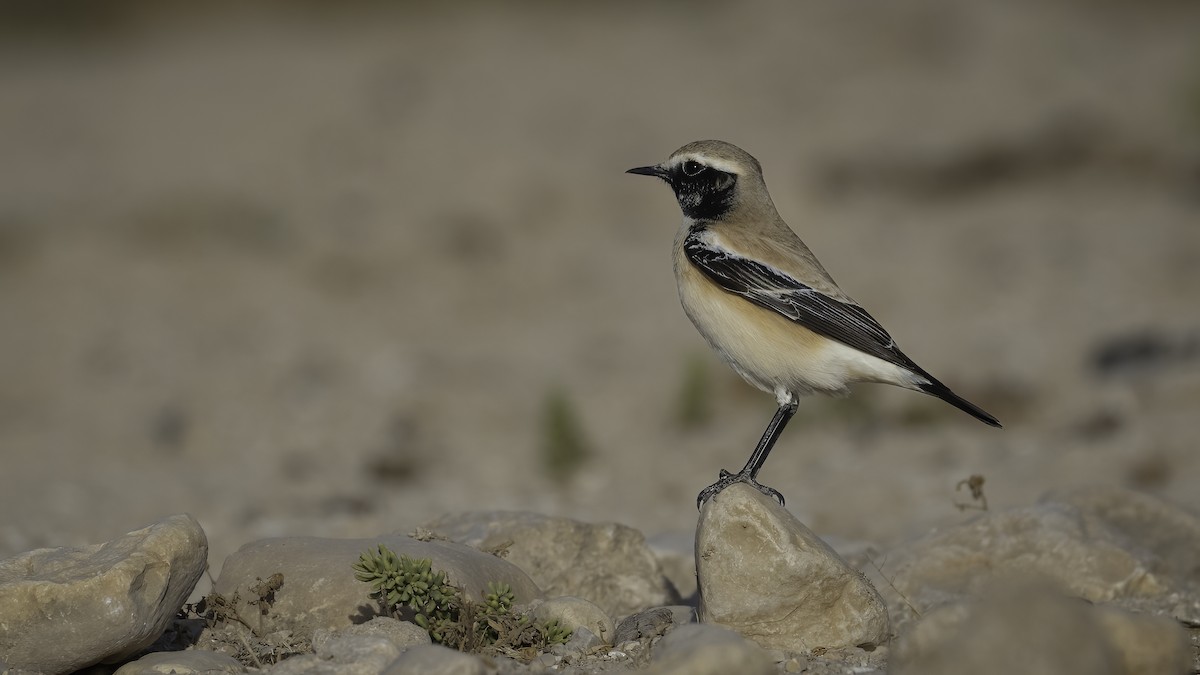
x,y
656,171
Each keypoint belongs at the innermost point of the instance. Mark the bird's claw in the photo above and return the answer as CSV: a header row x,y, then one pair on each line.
x,y
728,479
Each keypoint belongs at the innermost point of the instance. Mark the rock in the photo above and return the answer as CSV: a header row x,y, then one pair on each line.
x,y
319,590
403,634
361,649
701,649
676,554
606,563
575,613
1170,534
1006,637
582,641
189,662
653,622
767,576
1052,542
340,654
365,653
67,608
1147,644
436,660
1036,631
305,664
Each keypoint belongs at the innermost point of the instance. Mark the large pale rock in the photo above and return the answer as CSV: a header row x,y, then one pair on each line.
x,y
767,576
63,609
319,589
188,662
705,649
1050,542
1035,631
606,563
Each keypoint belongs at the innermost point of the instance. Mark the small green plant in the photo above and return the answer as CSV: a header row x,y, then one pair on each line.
x,y
556,634
695,393
564,444
411,588
403,581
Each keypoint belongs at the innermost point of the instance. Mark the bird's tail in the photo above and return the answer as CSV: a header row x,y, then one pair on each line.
x,y
935,388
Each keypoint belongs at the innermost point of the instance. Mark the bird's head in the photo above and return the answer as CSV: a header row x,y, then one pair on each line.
x,y
710,178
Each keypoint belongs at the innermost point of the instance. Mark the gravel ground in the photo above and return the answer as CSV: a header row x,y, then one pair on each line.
x,y
323,272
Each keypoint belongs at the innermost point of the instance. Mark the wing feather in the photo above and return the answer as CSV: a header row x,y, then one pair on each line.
x,y
781,293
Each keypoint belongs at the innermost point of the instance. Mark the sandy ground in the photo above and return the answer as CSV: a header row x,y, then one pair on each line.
x,y
316,271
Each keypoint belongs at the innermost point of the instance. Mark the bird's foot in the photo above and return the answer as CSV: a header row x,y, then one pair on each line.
x,y
728,479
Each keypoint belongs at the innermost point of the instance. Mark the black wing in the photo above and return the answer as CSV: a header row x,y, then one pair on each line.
x,y
771,289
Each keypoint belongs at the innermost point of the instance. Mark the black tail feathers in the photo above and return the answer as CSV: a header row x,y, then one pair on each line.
x,y
935,388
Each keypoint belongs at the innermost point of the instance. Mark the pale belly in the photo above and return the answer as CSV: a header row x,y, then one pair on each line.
x,y
773,353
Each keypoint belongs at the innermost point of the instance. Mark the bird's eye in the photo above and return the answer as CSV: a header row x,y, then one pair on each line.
x,y
692,168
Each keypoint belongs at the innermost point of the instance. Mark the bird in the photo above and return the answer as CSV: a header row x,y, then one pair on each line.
x,y
766,305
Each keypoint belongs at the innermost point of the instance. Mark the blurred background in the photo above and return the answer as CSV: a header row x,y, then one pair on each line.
x,y
339,268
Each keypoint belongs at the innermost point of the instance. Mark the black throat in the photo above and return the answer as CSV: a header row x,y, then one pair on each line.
x,y
706,196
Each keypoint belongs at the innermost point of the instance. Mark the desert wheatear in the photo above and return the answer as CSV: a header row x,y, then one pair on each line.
x,y
764,302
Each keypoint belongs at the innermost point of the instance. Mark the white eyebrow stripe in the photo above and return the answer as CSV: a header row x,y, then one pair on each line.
x,y
718,164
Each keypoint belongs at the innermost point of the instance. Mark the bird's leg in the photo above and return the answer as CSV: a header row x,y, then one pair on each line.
x,y
750,471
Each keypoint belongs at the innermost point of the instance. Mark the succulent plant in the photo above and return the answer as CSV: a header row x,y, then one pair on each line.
x,y
404,582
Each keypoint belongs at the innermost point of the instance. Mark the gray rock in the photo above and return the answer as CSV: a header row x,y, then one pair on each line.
x,y
319,589
575,613
1051,542
67,608
653,622
341,648
361,649
704,649
582,641
1147,644
339,654
676,553
436,660
403,634
1036,631
606,563
1170,534
189,662
767,576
